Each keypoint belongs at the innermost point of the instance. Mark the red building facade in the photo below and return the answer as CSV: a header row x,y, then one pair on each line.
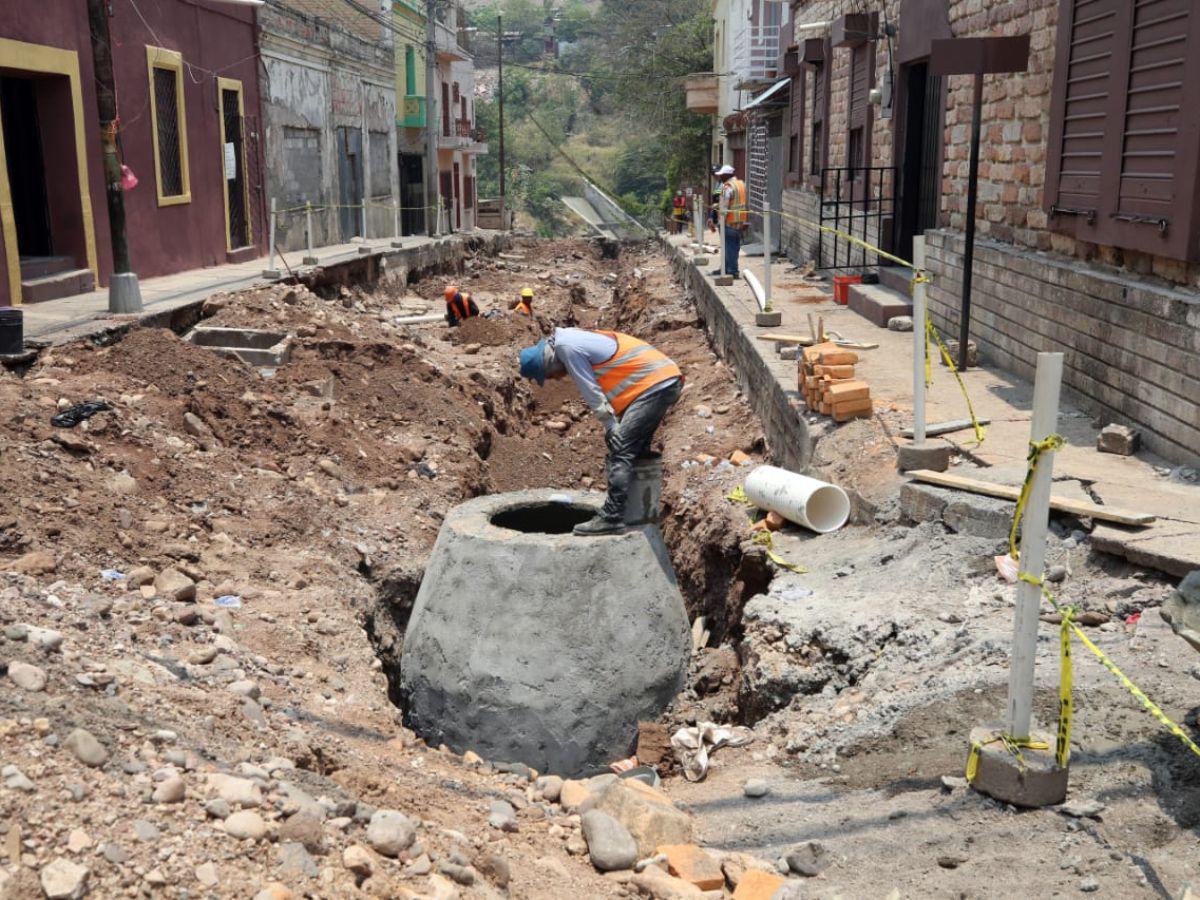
x,y
188,100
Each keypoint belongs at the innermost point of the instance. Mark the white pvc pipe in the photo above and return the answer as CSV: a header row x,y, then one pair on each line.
x,y
765,306
418,320
760,296
919,343
1046,388
816,505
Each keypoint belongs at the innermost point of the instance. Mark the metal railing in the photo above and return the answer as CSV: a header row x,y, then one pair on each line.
x,y
858,201
756,54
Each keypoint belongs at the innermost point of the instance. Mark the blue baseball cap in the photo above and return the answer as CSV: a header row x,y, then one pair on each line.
x,y
533,362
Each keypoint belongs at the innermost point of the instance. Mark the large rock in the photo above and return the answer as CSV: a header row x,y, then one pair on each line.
x,y
610,845
86,748
174,585
530,644
235,791
651,819
390,832
64,880
27,676
1182,609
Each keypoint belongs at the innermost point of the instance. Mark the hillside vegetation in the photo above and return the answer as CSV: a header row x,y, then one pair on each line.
x,y
611,106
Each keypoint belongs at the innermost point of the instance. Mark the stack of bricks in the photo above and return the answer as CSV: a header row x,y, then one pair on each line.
x,y
828,384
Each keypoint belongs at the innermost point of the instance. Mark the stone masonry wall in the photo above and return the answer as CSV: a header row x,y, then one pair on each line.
x,y
1131,348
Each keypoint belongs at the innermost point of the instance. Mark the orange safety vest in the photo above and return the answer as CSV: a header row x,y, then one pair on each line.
x,y
632,370
460,306
737,213
524,308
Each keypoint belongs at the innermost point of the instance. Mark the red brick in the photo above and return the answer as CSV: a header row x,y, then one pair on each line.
x,y
693,865
758,885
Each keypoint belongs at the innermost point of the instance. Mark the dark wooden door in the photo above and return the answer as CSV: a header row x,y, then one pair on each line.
x,y
350,188
234,163
920,174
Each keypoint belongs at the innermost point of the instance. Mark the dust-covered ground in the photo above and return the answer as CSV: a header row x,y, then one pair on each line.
x,y
237,745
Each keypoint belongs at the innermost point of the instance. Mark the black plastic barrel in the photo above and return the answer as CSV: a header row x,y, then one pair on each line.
x,y
12,330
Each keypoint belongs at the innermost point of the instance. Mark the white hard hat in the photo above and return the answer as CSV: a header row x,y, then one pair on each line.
x,y
725,170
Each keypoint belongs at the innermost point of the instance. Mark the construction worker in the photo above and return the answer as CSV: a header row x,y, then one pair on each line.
x,y
678,213
737,217
459,306
629,386
524,305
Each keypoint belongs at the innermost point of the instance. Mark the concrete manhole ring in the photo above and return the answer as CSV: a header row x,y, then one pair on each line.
x,y
530,644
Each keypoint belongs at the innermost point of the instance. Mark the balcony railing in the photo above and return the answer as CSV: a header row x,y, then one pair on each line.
x,y
461,134
412,112
452,43
756,55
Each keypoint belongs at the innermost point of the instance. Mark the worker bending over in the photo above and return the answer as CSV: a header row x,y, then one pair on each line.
x,y
629,386
459,306
524,305
737,217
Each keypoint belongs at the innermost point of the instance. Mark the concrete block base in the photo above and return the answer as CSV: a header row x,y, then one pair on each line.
x,y
723,280
1032,781
124,294
878,304
397,243
270,273
925,456
699,260
768,319
310,261
364,250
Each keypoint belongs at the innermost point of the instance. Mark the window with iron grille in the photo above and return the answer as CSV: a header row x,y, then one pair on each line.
x,y
168,128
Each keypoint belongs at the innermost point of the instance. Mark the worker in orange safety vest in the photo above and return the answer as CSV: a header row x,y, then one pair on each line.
x,y
524,305
629,386
459,306
737,217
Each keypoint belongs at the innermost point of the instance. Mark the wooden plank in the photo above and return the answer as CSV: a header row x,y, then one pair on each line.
x,y
805,341
945,427
1007,492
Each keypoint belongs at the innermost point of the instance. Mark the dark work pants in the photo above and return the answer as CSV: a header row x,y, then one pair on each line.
x,y
631,439
733,247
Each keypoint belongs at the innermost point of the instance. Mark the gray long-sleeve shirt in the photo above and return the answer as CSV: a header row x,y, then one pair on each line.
x,y
579,350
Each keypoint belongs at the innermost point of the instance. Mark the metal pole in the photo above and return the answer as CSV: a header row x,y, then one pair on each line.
x,y
396,242
964,325
1046,386
766,219
124,295
310,258
500,101
431,119
364,214
919,343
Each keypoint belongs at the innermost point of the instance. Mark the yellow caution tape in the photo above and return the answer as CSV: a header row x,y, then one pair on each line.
x,y
858,242
1012,744
1049,444
738,495
767,539
930,331
1037,449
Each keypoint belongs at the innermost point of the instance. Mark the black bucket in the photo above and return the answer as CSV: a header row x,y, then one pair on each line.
x,y
12,331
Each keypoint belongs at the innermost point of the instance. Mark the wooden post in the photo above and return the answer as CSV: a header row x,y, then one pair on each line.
x,y
1046,387
919,313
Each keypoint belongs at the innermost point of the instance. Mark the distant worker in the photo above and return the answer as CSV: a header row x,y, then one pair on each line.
x,y
629,386
678,213
524,305
737,218
714,200
459,306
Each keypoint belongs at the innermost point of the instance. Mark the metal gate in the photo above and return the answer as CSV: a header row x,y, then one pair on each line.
x,y
859,201
350,184
235,169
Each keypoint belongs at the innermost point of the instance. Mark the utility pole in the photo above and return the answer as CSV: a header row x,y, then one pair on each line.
x,y
500,95
432,201
124,296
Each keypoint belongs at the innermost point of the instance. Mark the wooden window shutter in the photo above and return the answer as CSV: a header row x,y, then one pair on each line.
x,y
796,142
819,148
1122,158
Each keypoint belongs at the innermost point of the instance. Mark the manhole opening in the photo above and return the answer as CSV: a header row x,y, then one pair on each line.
x,y
543,518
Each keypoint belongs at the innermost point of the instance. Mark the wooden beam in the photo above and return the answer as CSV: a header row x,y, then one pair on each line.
x,y
1007,492
807,341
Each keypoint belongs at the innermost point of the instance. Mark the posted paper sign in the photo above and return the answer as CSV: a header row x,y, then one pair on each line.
x,y
230,161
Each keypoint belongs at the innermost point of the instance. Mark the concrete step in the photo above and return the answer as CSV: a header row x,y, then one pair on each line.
x,y
897,278
41,266
878,304
59,284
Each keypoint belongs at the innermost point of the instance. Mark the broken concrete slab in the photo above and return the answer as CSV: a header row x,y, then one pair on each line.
x,y
1171,547
972,514
935,457
253,346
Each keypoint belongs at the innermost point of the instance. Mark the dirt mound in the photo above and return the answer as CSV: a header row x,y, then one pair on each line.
x,y
506,329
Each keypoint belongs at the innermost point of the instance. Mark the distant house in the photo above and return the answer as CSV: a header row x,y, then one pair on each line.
x,y
187,92
459,141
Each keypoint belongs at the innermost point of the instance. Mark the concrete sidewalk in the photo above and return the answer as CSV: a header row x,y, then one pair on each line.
x,y
1142,482
69,318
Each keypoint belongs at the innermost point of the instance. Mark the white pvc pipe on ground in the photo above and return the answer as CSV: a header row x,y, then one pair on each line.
x,y
817,505
760,296
419,320
918,331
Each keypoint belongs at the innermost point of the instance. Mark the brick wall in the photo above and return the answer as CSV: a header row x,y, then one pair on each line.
x,y
1131,348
